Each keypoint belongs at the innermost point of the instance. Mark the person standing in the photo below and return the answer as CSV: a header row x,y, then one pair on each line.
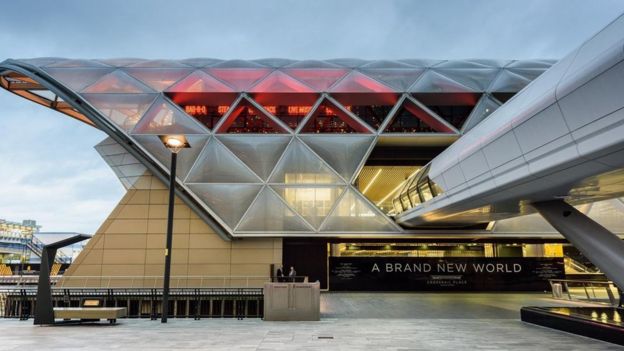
x,y
292,274
280,274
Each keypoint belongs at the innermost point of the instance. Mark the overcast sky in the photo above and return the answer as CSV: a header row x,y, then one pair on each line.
x,y
49,170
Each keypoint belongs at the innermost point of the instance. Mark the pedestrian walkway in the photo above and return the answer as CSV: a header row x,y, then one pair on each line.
x,y
402,322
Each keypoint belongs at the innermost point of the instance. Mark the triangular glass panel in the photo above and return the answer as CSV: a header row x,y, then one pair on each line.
x,y
158,79
433,82
280,82
399,79
241,79
343,153
201,62
160,64
118,82
200,82
186,157
508,82
528,73
475,79
217,164
246,118
452,107
460,64
165,118
122,61
125,110
77,79
312,64
290,108
206,108
237,64
329,118
228,201
354,214
258,152
275,62
348,62
77,63
356,82
319,79
270,214
312,203
411,118
299,165
483,109
372,108
385,64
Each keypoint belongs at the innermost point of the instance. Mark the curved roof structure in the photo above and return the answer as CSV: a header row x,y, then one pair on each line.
x,y
276,144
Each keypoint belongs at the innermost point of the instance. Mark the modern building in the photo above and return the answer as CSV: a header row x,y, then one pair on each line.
x,y
320,165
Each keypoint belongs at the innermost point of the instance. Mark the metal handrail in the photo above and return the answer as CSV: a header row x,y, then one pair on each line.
x,y
181,281
589,288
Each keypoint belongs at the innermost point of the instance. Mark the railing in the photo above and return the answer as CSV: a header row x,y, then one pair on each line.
x,y
182,281
25,279
143,302
585,290
577,266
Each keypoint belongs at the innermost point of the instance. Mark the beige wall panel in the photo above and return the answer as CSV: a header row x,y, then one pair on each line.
x,y
127,270
198,226
138,197
156,241
253,243
209,269
125,241
128,226
203,256
93,257
251,270
133,212
206,241
252,256
123,256
157,226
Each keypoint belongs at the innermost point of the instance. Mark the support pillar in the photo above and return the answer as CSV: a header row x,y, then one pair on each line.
x,y
599,245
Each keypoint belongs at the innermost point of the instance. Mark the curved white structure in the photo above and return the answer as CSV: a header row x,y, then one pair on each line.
x,y
560,137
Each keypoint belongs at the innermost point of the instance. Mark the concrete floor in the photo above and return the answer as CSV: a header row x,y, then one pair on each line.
x,y
351,322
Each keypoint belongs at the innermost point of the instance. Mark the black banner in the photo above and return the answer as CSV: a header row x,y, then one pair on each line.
x,y
443,274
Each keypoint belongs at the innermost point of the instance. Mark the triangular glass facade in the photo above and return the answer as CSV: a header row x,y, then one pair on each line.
x,y
77,78
165,118
411,118
259,152
300,166
186,157
312,203
270,214
247,118
343,153
125,110
319,79
216,164
354,214
329,118
158,79
228,201
117,82
240,79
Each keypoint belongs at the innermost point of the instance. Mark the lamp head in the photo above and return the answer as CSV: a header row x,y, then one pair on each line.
x,y
175,143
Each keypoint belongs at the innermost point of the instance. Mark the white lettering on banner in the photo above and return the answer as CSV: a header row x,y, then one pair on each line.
x,y
446,267
375,268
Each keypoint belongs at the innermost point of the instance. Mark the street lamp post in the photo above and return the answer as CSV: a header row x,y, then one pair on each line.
x,y
174,143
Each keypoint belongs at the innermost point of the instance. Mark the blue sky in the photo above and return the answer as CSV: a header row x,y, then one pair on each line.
x,y
49,170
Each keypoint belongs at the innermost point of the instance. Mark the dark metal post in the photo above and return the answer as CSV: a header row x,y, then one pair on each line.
x,y
165,297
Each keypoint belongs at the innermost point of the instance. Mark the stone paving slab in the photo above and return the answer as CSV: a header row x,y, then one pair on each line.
x,y
328,334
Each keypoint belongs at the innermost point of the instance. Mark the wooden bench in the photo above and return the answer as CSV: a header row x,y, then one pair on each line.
x,y
89,314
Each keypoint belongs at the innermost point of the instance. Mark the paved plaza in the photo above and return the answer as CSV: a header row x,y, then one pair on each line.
x,y
351,322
